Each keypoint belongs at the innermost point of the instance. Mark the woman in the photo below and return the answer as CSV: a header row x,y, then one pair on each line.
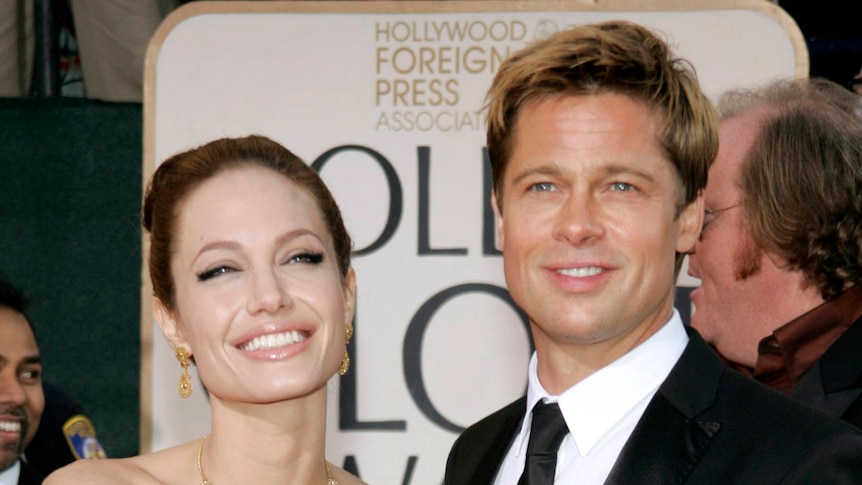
x,y
250,264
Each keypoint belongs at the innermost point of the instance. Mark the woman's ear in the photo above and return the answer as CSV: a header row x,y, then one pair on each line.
x,y
349,295
170,325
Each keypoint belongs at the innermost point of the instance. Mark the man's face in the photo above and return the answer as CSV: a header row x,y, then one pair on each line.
x,y
587,227
21,397
732,296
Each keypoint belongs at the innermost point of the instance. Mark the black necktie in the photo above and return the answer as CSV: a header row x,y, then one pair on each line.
x,y
546,433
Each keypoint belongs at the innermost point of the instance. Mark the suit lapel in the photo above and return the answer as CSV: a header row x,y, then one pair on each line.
x,y
841,368
669,440
812,390
498,443
478,453
28,476
834,383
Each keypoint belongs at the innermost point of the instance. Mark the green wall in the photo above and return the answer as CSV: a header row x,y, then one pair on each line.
x,y
70,190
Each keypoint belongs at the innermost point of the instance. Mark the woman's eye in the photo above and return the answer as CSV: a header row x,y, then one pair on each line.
x,y
212,273
309,258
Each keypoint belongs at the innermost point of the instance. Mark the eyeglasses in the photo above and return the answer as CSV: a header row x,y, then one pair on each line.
x,y
710,216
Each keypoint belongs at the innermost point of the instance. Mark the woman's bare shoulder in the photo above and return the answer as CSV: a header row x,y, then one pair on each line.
x,y
159,467
344,477
95,472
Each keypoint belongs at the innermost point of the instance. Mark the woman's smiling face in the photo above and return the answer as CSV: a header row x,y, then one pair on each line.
x,y
260,301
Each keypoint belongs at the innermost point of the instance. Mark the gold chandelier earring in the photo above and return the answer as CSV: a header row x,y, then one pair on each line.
x,y
345,361
185,386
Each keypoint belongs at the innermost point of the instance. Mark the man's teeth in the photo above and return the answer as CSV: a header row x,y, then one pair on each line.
x,y
581,272
275,340
10,426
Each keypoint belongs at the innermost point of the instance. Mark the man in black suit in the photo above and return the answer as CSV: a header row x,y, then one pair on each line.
x,y
600,142
780,259
21,397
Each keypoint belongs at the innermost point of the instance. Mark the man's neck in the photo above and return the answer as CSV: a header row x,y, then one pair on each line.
x,y
561,365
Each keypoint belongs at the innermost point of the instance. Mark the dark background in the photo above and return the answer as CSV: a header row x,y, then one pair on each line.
x,y
70,190
833,33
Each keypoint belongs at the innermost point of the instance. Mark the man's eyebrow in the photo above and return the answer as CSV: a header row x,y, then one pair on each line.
x,y
549,170
624,169
29,360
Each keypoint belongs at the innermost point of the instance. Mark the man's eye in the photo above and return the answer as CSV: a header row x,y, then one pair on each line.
x,y
542,187
30,375
622,187
708,217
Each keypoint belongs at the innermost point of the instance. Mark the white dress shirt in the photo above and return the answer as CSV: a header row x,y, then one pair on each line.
x,y
9,476
601,411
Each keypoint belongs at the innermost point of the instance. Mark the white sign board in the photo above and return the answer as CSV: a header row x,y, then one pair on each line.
x,y
385,98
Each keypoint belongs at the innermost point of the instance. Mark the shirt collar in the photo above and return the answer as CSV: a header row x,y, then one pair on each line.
x,y
786,355
592,406
10,475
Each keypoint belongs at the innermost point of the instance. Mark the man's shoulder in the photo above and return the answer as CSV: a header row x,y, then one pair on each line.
x,y
727,428
28,476
757,403
710,390
477,453
784,436
506,417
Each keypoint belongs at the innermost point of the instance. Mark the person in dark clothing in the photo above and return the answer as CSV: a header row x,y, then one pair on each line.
x,y
780,257
42,427
600,141
65,433
21,397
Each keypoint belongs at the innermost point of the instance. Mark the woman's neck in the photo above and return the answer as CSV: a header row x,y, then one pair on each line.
x,y
281,442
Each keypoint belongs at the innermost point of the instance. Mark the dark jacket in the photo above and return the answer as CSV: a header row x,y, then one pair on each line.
x,y
706,424
50,448
834,384
28,476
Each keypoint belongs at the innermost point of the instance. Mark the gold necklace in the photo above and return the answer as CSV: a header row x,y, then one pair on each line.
x,y
204,481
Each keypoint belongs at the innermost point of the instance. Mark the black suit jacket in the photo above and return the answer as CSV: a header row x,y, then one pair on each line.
x,y
834,384
706,424
28,476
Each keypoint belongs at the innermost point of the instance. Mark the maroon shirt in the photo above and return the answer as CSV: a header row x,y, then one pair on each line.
x,y
786,355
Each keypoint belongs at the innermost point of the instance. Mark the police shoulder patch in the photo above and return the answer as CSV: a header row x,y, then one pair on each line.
x,y
81,436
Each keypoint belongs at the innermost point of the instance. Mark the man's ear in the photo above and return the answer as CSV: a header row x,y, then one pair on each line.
x,y
777,260
690,223
170,325
498,215
349,295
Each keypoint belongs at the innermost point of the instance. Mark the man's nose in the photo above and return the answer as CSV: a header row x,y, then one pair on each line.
x,y
578,220
11,390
